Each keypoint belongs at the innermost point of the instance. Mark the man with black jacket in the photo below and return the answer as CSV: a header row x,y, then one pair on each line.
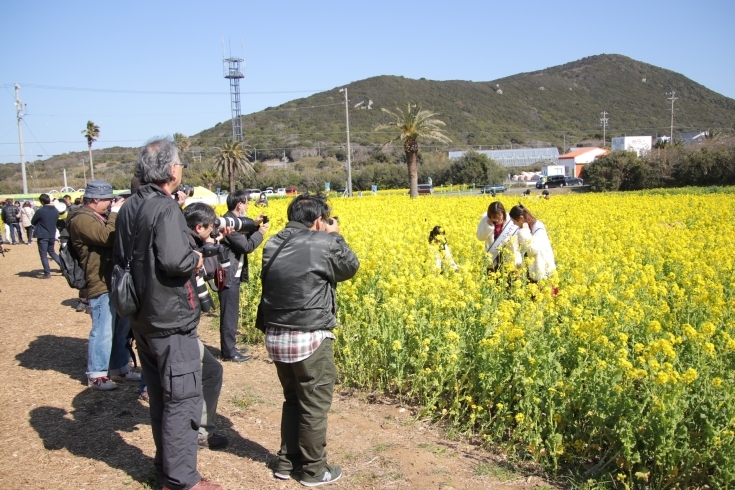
x,y
45,220
153,237
302,265
11,215
239,246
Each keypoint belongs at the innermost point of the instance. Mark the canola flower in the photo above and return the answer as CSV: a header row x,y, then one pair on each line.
x,y
633,361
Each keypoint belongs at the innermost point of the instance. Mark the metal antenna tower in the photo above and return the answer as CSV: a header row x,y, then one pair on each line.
x,y
233,71
603,122
20,109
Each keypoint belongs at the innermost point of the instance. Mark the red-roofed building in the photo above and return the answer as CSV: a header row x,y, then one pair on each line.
x,y
576,159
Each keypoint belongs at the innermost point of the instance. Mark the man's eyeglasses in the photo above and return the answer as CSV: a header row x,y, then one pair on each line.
x,y
182,164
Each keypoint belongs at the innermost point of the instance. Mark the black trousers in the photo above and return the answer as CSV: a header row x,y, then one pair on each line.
x,y
229,318
172,370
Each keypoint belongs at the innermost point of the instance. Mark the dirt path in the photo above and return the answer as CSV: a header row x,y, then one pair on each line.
x,y
59,434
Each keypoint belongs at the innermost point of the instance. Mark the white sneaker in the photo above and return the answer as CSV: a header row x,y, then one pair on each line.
x,y
129,376
103,383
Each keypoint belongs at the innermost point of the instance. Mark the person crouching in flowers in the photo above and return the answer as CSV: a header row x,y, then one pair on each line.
x,y
533,242
495,229
438,243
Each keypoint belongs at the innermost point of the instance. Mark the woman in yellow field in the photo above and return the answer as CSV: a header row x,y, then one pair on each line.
x,y
533,242
438,242
495,229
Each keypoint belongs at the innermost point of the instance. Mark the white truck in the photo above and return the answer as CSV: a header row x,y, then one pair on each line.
x,y
550,170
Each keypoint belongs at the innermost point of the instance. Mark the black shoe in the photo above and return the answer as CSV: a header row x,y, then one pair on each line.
x,y
237,358
214,441
242,351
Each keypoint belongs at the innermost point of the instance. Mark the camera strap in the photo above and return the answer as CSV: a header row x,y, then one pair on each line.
x,y
267,266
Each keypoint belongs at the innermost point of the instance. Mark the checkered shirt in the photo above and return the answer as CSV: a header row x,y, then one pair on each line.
x,y
289,346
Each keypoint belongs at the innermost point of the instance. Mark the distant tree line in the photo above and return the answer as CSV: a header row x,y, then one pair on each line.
x,y
712,163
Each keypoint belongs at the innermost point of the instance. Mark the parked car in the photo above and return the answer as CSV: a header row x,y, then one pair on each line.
x,y
253,193
290,191
551,181
281,191
493,188
425,189
574,181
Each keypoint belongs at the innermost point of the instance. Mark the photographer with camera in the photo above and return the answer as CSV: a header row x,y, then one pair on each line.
x,y
200,220
152,237
239,245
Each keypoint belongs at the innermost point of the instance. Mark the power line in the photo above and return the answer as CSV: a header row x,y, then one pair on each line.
x,y
158,92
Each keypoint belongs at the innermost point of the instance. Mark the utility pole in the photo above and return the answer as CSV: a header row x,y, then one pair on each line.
x,y
349,158
65,178
20,109
603,121
673,99
85,173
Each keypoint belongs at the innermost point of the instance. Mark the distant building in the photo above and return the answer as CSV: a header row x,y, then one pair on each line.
x,y
639,144
522,157
692,137
575,160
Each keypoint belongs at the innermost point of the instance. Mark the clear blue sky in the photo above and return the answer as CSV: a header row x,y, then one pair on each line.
x,y
295,48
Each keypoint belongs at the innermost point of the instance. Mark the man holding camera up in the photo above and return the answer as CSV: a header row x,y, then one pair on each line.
x,y
239,246
302,265
152,232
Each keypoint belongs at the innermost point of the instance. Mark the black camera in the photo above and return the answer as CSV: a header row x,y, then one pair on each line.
x,y
243,225
187,189
265,219
211,250
332,220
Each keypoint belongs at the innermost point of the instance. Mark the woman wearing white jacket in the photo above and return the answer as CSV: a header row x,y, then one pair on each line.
x,y
533,242
495,229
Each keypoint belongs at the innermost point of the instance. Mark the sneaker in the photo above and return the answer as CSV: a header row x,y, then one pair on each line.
x,y
331,474
143,395
214,441
129,376
103,383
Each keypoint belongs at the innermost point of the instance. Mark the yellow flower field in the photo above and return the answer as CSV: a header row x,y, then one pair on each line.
x,y
627,375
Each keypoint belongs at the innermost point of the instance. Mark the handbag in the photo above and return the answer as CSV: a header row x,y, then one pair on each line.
x,y
124,297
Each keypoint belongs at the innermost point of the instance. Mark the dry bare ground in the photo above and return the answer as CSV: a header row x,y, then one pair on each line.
x,y
60,434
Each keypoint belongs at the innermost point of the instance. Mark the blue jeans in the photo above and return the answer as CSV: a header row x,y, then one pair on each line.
x,y
15,228
120,355
100,337
46,246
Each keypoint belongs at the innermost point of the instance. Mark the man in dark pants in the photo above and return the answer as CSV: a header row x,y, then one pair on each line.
x,y
151,231
11,215
301,268
239,245
45,220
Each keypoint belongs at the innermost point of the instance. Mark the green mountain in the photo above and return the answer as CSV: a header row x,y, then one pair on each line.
x,y
558,106
529,108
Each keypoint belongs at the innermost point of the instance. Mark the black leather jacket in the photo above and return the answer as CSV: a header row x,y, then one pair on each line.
x,y
299,290
163,262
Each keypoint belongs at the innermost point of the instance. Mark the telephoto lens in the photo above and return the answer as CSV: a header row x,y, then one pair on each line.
x,y
243,225
187,189
205,299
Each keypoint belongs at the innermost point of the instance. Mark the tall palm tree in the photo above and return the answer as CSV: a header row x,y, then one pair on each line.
x,y
91,133
411,125
232,159
181,142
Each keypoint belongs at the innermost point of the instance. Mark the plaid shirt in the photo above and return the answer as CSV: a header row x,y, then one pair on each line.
x,y
289,346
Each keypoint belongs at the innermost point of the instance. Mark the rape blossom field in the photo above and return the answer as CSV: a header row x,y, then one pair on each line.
x,y
625,377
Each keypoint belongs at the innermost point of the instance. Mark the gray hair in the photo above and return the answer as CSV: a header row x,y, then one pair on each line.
x,y
155,160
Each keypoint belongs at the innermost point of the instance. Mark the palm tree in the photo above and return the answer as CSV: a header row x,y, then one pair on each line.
x,y
232,159
91,133
181,142
413,124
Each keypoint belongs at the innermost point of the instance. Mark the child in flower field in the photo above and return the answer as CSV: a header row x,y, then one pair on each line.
x,y
438,240
533,242
495,228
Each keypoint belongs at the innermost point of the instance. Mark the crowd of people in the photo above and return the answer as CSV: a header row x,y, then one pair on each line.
x,y
163,248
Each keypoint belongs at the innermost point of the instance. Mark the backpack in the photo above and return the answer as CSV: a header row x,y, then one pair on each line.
x,y
72,270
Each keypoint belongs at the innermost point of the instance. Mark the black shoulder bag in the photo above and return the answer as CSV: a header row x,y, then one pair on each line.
x,y
122,289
